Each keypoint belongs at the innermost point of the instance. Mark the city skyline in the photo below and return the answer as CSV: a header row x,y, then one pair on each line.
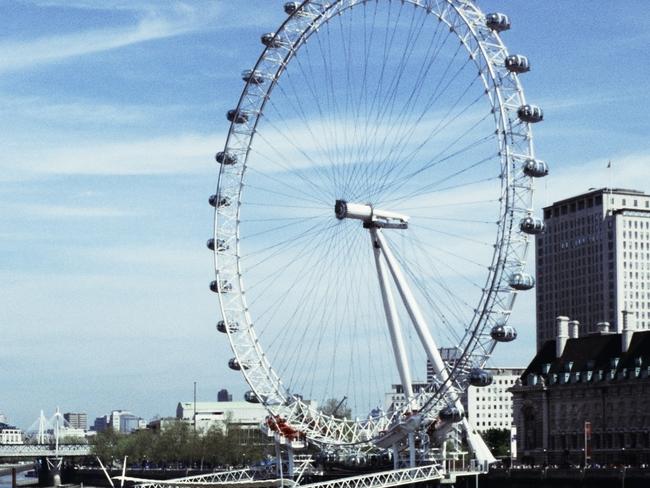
x,y
112,116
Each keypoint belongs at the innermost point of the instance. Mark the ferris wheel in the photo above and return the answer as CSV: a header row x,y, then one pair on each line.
x,y
372,216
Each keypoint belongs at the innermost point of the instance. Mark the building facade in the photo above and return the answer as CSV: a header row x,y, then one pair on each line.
x,y
584,399
490,407
11,435
100,424
486,407
247,417
76,420
395,398
593,260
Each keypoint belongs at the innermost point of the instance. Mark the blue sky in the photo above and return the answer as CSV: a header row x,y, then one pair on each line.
x,y
111,114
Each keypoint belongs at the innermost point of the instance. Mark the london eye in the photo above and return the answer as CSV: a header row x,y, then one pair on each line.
x,y
373,212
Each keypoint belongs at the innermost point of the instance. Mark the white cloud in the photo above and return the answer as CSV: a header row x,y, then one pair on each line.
x,y
630,171
63,211
154,23
80,111
190,153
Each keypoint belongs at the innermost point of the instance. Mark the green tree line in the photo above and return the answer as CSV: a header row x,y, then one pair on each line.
x,y
178,444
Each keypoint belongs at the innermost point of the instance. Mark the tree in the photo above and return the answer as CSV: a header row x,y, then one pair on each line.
x,y
498,440
105,445
336,408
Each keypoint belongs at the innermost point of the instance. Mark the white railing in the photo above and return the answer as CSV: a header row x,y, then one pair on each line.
x,y
36,450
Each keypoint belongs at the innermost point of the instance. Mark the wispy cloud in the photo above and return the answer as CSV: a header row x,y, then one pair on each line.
x,y
152,23
190,153
630,171
63,211
80,111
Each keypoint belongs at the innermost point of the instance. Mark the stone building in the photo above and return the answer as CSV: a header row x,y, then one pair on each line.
x,y
587,392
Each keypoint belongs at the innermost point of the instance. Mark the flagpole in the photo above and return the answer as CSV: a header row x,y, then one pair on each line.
x,y
611,183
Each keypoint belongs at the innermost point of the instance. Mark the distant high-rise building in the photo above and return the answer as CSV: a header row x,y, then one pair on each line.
x,y
76,420
490,407
130,423
593,261
224,396
100,424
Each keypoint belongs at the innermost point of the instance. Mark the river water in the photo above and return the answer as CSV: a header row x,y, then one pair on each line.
x,y
5,481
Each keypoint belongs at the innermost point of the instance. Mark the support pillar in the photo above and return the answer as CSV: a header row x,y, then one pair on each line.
x,y
395,329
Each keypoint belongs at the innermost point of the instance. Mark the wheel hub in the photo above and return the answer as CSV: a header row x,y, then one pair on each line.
x,y
370,216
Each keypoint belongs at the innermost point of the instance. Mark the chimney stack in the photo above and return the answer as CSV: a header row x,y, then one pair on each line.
x,y
629,327
602,327
562,334
574,329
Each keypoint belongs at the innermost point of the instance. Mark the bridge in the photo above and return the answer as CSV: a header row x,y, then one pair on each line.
x,y
25,451
246,479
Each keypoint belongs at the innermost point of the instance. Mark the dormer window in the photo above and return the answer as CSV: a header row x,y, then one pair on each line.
x,y
546,368
568,365
613,362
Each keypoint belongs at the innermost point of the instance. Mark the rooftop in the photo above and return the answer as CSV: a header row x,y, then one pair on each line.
x,y
598,191
592,352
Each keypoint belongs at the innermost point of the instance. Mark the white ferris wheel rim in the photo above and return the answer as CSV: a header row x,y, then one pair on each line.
x,y
467,22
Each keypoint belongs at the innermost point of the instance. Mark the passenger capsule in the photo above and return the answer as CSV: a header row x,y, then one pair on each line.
x,y
497,22
219,201
535,168
251,397
450,414
291,8
503,333
237,116
517,63
232,327
226,158
530,113
531,225
480,377
522,281
236,365
253,77
270,40
220,245
223,287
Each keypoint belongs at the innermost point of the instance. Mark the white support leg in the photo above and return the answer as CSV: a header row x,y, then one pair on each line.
x,y
278,460
290,460
397,340
477,444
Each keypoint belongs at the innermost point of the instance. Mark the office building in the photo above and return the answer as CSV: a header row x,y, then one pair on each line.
x,y
100,424
207,415
395,399
224,396
490,407
10,435
593,261
76,420
486,407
